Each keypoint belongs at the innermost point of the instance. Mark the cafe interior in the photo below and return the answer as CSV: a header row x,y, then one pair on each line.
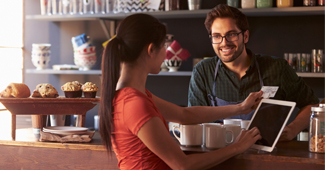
x,y
28,139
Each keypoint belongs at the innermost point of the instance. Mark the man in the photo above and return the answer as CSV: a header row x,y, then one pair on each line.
x,y
229,77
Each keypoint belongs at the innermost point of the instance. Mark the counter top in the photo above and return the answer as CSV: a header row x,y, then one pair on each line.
x,y
292,155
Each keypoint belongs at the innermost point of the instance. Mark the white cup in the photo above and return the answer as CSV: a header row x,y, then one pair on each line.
x,y
236,129
215,136
205,125
190,135
96,122
244,124
57,120
232,122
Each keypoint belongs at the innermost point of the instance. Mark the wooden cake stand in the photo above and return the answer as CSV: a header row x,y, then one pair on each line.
x,y
48,106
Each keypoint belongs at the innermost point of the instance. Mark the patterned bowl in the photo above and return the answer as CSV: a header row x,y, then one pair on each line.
x,y
173,65
85,58
85,61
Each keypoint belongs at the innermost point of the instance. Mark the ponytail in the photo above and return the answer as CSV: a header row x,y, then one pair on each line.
x,y
110,74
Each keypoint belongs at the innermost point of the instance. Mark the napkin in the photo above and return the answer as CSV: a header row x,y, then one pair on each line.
x,y
176,52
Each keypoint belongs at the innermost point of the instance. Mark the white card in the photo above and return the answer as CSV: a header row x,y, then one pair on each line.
x,y
269,91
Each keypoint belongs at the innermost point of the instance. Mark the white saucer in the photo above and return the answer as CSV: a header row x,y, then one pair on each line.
x,y
65,129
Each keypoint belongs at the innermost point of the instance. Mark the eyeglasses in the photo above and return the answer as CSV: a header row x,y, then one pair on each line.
x,y
217,39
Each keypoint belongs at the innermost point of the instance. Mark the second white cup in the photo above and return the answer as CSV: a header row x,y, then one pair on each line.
x,y
236,129
215,136
244,124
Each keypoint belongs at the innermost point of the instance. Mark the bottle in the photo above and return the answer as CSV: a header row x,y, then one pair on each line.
x,y
319,62
309,2
313,61
320,2
264,3
317,129
303,62
248,4
308,67
284,3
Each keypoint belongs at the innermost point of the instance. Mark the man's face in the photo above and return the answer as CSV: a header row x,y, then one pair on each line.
x,y
228,51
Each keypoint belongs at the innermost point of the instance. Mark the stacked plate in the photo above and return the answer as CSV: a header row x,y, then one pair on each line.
x,y
65,130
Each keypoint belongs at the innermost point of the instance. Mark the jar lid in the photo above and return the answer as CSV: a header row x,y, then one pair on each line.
x,y
321,108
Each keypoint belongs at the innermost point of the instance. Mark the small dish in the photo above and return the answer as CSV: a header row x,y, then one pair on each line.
x,y
67,132
65,129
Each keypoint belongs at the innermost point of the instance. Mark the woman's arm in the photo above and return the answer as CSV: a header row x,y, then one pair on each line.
x,y
155,136
200,114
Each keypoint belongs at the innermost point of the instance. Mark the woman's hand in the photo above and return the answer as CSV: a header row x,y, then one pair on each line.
x,y
251,102
247,138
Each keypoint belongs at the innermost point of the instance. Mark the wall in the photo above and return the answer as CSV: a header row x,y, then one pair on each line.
x,y
268,35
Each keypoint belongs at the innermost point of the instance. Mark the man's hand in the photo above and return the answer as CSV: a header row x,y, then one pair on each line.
x,y
287,134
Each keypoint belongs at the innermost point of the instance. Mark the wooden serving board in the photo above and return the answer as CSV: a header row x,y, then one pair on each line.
x,y
49,106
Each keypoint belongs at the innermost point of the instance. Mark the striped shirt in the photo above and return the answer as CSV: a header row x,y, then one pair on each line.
x,y
274,72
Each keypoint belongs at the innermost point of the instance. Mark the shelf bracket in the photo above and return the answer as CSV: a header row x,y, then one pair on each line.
x,y
109,32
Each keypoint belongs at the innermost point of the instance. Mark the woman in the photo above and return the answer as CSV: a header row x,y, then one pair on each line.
x,y
133,121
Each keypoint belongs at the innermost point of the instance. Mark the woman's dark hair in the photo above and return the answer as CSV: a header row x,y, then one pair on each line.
x,y
133,34
225,11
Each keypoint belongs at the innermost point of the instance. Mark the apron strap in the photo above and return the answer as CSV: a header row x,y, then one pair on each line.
x,y
215,77
259,73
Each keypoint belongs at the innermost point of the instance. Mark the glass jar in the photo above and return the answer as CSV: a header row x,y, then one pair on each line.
x,y
233,3
284,3
248,4
317,129
264,3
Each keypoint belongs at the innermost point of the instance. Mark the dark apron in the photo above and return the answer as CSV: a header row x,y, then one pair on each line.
x,y
215,101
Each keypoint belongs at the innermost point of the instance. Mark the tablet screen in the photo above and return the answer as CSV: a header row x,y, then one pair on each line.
x,y
269,119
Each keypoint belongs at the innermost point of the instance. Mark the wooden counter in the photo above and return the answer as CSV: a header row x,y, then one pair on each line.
x,y
27,153
287,155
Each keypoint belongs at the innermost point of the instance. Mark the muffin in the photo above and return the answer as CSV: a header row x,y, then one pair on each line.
x,y
45,90
72,89
17,90
90,89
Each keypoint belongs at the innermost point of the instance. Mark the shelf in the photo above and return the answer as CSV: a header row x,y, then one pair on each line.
x,y
162,73
178,73
51,71
311,75
99,72
290,11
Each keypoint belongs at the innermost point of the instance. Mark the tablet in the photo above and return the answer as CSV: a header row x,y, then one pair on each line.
x,y
270,117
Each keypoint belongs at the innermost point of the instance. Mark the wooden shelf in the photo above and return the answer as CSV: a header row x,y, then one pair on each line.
x,y
311,75
177,14
99,72
162,73
51,71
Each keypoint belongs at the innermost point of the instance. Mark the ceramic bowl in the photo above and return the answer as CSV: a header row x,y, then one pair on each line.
x,y
163,67
173,65
85,62
85,58
41,47
41,62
